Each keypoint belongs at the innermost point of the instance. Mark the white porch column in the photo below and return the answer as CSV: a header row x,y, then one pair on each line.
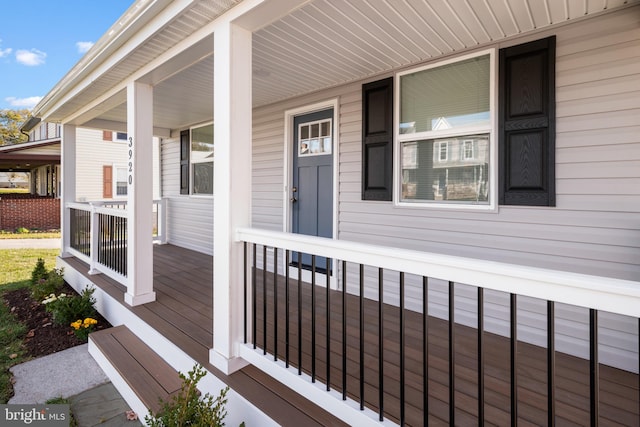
x,y
68,183
232,187
140,194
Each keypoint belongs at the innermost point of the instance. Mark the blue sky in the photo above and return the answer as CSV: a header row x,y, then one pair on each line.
x,y
40,40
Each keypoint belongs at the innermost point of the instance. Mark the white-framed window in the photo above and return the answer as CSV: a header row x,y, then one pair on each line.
x,y
442,151
120,183
202,157
314,138
444,132
120,136
467,149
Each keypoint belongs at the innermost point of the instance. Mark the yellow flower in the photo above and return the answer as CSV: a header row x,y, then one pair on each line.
x,y
88,322
76,325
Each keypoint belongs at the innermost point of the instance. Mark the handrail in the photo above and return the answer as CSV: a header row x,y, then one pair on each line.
x,y
601,293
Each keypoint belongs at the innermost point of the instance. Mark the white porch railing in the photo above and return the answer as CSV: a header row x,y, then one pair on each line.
x,y
98,235
405,279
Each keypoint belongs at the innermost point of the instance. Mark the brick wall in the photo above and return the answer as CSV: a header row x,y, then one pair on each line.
x,y
40,213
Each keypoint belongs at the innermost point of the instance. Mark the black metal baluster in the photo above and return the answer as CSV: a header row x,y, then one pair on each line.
x,y
299,313
344,330
594,383
361,313
452,356
480,356
313,318
286,314
245,264
425,351
275,304
514,360
551,364
380,345
264,299
328,320
402,353
254,302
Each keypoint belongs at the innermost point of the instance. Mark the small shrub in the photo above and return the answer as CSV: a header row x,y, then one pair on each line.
x,y
22,230
39,272
69,308
51,283
187,408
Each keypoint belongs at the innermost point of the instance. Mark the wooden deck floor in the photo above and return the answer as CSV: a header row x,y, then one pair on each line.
x,y
183,314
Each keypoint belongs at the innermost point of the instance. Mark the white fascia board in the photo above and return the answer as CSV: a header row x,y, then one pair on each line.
x,y
247,13
104,60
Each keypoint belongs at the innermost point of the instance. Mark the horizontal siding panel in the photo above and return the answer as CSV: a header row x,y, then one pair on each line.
x,y
621,254
600,56
599,104
594,137
626,186
563,232
609,120
619,68
602,153
599,202
191,223
617,85
507,214
621,169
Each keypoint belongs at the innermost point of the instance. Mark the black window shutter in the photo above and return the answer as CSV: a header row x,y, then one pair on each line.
x,y
184,162
527,124
377,140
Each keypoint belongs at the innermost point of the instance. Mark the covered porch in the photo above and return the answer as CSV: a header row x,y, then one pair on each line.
x,y
411,308
382,355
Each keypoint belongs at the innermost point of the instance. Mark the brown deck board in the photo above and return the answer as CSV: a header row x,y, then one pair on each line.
x,y
183,279
146,373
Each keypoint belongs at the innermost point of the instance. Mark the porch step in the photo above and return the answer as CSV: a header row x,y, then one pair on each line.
x,y
144,371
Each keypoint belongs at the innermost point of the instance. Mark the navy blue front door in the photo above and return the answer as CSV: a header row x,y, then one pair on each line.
x,y
312,187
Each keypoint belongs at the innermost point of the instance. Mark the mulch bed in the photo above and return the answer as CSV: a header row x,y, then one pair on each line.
x,y
43,337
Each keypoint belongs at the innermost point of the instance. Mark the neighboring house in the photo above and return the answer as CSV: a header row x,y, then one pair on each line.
x,y
329,169
37,163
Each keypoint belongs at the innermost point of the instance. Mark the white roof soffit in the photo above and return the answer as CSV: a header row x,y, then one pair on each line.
x,y
299,47
145,31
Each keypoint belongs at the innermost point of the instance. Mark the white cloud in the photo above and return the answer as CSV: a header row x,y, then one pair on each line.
x,y
83,47
31,57
29,102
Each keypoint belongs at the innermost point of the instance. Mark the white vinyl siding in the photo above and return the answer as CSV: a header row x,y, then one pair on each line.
x,y
594,228
92,153
189,219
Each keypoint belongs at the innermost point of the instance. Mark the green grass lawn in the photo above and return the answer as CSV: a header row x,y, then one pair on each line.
x,y
15,272
14,190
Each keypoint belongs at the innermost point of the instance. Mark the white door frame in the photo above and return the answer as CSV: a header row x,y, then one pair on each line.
x,y
288,174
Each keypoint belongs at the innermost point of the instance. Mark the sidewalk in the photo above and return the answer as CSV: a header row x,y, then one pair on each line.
x,y
73,374
30,243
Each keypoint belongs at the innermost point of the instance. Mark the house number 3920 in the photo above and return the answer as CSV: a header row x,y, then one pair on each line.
x,y
130,160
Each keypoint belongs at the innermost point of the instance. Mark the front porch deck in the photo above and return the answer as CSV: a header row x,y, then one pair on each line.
x,y
183,314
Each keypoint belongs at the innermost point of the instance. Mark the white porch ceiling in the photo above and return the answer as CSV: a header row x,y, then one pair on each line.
x,y
323,44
